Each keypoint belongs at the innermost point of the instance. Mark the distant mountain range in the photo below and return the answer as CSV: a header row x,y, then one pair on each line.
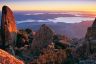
x,y
72,30
55,21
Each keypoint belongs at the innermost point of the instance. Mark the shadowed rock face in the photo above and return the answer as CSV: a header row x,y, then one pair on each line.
x,y
94,23
42,38
8,26
91,39
91,32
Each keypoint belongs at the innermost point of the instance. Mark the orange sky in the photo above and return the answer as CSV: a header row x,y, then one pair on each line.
x,y
57,5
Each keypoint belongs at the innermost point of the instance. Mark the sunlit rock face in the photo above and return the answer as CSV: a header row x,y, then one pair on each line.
x,y
8,27
6,58
42,38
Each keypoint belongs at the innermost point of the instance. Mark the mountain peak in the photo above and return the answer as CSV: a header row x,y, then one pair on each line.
x,y
43,25
91,31
43,37
5,9
94,23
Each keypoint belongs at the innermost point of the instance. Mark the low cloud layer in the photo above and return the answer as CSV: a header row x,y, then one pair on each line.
x,y
61,19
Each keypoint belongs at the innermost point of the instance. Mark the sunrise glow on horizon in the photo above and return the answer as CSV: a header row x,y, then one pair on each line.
x,y
50,5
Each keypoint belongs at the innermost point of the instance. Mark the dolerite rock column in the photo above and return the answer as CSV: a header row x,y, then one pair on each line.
x,y
8,28
42,38
91,39
91,32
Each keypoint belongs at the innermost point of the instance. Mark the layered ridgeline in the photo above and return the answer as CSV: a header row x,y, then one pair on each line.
x,y
8,28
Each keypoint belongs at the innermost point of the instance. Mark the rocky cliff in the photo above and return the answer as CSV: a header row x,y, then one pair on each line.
x,y
91,32
42,38
8,27
91,39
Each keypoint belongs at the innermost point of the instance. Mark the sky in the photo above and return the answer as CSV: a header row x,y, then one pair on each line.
x,y
50,5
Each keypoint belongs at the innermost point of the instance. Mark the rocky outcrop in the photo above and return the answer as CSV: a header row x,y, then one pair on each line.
x,y
91,32
6,58
8,27
51,56
22,39
91,39
94,23
42,38
61,41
